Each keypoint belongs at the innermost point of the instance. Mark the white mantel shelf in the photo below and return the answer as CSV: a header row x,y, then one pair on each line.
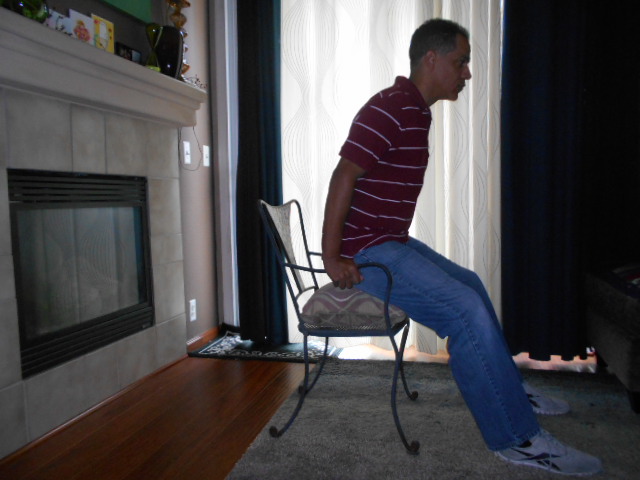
x,y
37,59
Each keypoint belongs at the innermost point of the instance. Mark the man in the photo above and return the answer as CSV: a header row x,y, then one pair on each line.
x,y
370,206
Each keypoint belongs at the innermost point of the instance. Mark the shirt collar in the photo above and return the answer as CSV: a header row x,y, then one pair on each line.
x,y
403,83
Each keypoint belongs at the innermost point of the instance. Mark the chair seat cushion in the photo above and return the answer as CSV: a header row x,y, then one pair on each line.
x,y
331,307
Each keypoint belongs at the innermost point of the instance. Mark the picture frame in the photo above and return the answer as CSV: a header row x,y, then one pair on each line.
x,y
103,34
82,27
127,52
60,23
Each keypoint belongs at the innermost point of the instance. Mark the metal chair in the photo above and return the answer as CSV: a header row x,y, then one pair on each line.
x,y
330,311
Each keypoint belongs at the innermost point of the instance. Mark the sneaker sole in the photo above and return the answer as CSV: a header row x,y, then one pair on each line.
x,y
544,467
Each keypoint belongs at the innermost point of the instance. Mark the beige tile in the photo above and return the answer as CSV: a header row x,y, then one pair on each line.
x,y
5,219
88,127
168,287
63,392
162,148
101,375
164,206
126,141
55,396
166,248
172,340
39,132
3,131
7,279
13,419
10,367
136,357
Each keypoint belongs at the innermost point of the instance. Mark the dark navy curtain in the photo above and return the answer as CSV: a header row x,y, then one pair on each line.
x,y
542,107
262,306
568,155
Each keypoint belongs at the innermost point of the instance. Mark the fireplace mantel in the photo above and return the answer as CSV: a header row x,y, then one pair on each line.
x,y
40,60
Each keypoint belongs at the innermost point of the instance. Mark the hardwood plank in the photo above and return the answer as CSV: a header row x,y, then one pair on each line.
x,y
105,425
234,433
195,418
197,421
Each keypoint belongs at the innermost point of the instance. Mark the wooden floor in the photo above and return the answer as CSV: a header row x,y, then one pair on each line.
x,y
192,420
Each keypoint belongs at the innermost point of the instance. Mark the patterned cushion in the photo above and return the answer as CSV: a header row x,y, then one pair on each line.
x,y
347,309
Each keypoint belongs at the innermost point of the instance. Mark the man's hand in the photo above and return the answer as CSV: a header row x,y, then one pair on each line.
x,y
343,271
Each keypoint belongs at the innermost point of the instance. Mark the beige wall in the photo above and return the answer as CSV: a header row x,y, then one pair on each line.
x,y
196,186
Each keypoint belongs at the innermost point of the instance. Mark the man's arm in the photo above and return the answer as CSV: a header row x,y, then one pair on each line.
x,y
342,271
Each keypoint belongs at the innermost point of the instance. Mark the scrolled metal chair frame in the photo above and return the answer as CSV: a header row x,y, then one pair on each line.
x,y
296,288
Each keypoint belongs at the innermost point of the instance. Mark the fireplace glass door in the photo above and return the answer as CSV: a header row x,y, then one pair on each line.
x,y
81,258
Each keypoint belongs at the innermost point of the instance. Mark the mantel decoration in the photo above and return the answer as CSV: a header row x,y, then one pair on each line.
x,y
34,9
71,72
167,47
179,20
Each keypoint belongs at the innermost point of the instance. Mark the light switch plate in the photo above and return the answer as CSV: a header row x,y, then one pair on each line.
x,y
192,310
206,160
186,152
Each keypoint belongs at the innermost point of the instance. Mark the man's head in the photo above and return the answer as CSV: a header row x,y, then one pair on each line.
x,y
438,35
440,55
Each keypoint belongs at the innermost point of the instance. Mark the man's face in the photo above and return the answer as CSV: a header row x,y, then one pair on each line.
x,y
452,70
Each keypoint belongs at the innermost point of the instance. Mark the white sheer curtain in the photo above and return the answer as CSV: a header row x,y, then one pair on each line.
x,y
338,53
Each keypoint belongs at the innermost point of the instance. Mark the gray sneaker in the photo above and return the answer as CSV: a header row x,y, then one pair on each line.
x,y
543,405
545,452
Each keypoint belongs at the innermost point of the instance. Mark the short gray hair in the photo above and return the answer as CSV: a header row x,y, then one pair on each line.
x,y
436,34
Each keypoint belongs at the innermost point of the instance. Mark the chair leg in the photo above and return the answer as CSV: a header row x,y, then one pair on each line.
x,y
319,367
302,391
413,447
412,395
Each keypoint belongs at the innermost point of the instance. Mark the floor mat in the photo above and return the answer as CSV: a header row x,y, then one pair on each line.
x,y
232,346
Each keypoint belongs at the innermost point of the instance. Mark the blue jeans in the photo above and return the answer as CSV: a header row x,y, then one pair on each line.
x,y
452,300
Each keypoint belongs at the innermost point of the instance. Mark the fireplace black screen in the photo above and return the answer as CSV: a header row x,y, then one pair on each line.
x,y
81,261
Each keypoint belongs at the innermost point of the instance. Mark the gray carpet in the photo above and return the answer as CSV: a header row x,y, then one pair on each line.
x,y
345,429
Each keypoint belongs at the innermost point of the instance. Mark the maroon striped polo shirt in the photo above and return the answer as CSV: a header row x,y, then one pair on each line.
x,y
389,140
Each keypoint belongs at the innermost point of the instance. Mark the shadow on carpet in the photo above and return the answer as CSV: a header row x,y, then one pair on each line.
x,y
231,346
345,429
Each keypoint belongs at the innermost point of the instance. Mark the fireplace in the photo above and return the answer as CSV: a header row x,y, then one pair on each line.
x,y
68,107
82,262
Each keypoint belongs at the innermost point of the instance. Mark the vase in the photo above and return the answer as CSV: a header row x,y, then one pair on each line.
x,y
34,9
166,49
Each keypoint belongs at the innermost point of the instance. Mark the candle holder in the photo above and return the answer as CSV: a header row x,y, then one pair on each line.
x,y
178,19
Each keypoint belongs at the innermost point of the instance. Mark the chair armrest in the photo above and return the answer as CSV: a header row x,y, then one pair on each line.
x,y
382,267
304,269
387,273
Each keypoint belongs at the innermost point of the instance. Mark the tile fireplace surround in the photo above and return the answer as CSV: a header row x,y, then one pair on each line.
x,y
66,106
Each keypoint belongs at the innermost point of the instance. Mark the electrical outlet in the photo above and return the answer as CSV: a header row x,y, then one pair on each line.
x,y
186,152
192,310
206,161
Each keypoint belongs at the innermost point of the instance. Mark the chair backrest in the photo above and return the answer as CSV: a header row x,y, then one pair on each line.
x,y
285,228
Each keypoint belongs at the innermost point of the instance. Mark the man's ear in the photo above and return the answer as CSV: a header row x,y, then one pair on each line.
x,y
429,59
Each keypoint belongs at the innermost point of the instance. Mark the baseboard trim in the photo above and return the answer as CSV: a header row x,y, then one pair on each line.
x,y
202,339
